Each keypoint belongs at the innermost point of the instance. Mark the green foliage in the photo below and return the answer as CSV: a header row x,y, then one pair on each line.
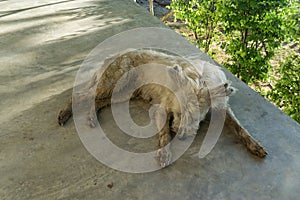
x,y
286,92
292,19
253,30
249,32
201,17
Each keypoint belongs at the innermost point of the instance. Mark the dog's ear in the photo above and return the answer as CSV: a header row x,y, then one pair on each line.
x,y
176,73
177,68
229,90
179,71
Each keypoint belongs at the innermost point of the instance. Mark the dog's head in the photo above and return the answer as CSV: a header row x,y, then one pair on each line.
x,y
208,95
187,87
215,97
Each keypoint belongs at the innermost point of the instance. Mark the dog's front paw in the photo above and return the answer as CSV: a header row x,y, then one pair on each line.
x,y
252,145
257,149
181,136
92,120
185,133
164,157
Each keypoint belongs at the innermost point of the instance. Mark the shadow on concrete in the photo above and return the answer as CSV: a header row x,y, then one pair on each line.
x,y
42,51
12,12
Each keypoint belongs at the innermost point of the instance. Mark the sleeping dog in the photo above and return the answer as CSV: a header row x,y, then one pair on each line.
x,y
192,92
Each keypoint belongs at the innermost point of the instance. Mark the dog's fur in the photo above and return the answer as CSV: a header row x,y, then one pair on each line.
x,y
208,83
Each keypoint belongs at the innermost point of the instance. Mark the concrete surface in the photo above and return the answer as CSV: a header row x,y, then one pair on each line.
x,y
42,44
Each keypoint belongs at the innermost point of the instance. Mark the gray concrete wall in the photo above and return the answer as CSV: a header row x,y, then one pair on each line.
x,y
42,44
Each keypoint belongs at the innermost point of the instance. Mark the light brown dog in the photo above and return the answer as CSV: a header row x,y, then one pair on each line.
x,y
208,84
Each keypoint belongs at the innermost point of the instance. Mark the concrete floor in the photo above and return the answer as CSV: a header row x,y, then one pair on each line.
x,y
42,44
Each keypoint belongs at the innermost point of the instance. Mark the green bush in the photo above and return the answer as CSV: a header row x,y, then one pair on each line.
x,y
201,17
253,30
286,91
249,32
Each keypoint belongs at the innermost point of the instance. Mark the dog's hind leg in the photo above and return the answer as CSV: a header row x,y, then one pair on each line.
x,y
102,99
99,104
65,114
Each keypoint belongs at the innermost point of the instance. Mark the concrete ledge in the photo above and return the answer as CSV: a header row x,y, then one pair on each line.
x,y
42,47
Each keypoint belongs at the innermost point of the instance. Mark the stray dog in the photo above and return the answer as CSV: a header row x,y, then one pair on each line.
x,y
183,116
